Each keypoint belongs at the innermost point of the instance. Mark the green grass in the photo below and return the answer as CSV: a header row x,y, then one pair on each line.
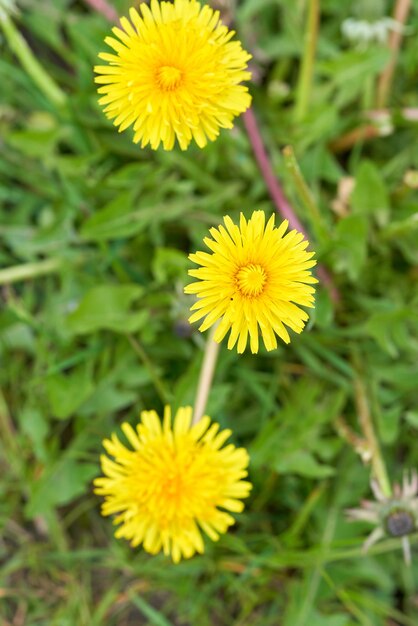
x,y
114,225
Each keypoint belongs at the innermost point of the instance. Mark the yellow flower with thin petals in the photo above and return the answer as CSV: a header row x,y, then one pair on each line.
x,y
253,282
176,74
173,483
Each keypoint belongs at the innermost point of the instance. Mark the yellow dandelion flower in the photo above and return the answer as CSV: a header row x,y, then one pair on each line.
x,y
176,74
173,483
253,280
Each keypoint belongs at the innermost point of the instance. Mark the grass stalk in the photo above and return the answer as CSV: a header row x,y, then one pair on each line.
x,y
28,271
400,15
304,513
303,90
366,424
30,63
300,185
8,436
156,380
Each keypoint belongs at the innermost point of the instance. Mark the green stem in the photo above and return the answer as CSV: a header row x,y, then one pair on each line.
x,y
158,383
368,94
303,90
304,514
346,600
29,270
301,187
366,423
29,62
314,576
276,192
8,435
303,559
206,375
55,530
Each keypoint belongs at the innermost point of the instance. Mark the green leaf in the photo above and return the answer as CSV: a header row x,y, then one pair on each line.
x,y
169,264
350,245
392,329
354,64
108,307
114,220
153,616
370,195
119,219
34,424
17,336
66,392
34,143
107,398
302,463
323,313
388,422
412,418
291,441
63,482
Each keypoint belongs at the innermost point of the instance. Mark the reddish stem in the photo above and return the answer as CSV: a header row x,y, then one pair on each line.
x,y
273,185
276,192
103,7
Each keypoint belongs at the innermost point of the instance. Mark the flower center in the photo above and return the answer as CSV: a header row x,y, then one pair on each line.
x,y
172,484
169,77
400,523
251,279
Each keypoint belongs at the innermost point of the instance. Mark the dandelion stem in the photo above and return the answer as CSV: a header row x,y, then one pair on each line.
x,y
400,14
31,65
276,193
206,375
27,271
303,559
366,423
406,547
303,91
101,6
273,185
157,382
212,348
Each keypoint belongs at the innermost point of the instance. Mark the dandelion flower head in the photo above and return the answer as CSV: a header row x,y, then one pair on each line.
x,y
254,281
173,483
393,512
174,74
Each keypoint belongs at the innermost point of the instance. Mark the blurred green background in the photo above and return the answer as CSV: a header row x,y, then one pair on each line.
x,y
95,234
